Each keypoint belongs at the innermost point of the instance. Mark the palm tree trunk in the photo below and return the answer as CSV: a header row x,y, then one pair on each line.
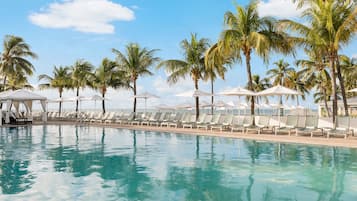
x,y
77,101
325,102
197,101
103,102
342,85
334,90
250,83
3,88
60,103
212,97
4,83
297,100
134,90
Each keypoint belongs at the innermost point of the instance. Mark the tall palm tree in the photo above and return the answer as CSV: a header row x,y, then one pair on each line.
x,y
315,75
61,79
247,33
322,83
108,75
211,74
81,72
192,65
135,61
216,64
332,24
13,59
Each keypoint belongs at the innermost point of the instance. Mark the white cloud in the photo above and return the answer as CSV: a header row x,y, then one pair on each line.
x,y
354,56
162,87
90,16
279,8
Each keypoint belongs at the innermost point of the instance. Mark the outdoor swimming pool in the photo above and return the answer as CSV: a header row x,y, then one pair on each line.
x,y
93,163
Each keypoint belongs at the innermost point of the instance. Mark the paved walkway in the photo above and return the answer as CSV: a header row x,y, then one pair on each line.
x,y
350,142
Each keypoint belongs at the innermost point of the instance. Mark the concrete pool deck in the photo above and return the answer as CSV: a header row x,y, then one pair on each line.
x,y
350,142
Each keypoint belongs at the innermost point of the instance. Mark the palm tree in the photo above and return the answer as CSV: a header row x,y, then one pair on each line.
x,y
247,33
333,24
315,75
349,72
214,68
108,75
280,75
295,81
192,65
215,64
60,80
322,82
17,81
260,85
136,62
81,72
13,59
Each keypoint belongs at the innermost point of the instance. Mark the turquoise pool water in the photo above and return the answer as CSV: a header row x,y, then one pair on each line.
x,y
92,163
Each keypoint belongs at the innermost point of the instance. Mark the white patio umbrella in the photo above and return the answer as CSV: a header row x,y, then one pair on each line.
x,y
194,93
238,91
278,91
61,100
205,104
164,107
145,96
184,106
94,98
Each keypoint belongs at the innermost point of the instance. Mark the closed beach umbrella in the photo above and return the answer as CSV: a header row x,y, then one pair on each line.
x,y
146,96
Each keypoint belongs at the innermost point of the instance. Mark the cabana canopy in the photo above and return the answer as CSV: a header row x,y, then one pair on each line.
x,y
14,98
20,95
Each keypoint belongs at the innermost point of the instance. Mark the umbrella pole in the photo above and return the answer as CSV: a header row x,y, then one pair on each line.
x,y
145,104
280,108
238,105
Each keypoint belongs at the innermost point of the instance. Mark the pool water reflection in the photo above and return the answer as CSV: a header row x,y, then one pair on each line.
x,y
93,163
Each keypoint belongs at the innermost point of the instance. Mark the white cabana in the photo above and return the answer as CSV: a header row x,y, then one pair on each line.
x,y
21,96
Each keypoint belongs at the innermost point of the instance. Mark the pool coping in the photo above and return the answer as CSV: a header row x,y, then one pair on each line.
x,y
350,142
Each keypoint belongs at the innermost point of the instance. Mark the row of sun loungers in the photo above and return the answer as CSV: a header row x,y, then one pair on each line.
x,y
298,125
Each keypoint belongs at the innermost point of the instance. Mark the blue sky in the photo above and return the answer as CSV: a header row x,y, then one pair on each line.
x,y
62,31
